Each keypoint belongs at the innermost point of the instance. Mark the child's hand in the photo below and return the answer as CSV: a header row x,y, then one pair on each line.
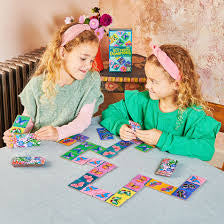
x,y
126,133
150,137
47,133
7,138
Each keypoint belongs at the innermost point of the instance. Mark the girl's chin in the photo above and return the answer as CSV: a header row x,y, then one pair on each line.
x,y
153,96
80,76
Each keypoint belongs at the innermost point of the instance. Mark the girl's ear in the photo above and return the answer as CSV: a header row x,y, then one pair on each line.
x,y
176,85
62,52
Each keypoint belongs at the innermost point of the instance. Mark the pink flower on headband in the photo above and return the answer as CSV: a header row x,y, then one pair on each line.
x,y
99,32
94,23
69,19
166,62
105,20
82,19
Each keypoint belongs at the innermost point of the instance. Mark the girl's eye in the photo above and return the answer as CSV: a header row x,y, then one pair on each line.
x,y
83,59
154,82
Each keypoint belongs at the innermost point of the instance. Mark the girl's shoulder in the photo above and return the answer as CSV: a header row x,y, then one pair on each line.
x,y
197,116
35,83
36,80
135,95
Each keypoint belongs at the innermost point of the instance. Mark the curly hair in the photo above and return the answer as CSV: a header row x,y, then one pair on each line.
x,y
51,62
189,93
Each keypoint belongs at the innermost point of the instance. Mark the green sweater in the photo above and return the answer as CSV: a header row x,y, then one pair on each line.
x,y
193,135
67,103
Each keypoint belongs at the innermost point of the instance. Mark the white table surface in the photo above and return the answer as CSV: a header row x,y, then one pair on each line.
x,y
41,195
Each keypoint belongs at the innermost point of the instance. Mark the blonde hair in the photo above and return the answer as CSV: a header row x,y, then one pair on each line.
x,y
189,93
51,62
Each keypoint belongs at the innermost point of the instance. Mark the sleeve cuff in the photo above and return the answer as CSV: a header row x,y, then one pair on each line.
x,y
119,124
162,141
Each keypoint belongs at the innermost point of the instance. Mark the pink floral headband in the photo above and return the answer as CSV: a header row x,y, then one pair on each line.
x,y
72,32
166,62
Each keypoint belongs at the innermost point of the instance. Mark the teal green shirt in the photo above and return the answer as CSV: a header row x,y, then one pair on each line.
x,y
194,135
67,103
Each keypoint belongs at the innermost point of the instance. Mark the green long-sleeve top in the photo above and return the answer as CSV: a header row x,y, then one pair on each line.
x,y
190,133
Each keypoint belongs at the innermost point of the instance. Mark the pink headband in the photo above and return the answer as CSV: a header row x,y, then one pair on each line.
x,y
166,62
72,32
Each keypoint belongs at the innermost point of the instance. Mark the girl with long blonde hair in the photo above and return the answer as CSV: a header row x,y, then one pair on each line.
x,y
64,92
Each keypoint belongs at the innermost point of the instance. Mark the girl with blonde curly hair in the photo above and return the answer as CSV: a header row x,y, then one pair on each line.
x,y
171,112
64,92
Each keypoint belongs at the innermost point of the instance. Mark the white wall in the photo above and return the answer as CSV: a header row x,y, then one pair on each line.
x,y
29,24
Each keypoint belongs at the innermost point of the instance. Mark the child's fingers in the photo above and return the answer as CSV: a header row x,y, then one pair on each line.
x,y
8,133
9,145
8,141
43,134
45,137
42,130
142,132
127,129
140,135
127,134
126,138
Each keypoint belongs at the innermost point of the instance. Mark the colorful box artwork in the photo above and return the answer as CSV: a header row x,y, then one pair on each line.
x,y
120,50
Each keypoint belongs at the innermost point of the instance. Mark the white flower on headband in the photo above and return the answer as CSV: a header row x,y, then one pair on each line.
x,y
69,19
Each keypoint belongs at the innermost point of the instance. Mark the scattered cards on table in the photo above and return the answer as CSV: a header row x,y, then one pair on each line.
x,y
166,167
27,161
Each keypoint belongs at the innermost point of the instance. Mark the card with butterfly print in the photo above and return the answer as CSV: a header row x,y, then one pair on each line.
x,y
104,134
132,185
182,193
167,189
136,141
196,180
21,121
120,197
155,184
79,137
137,183
88,145
167,167
160,186
116,148
95,162
83,181
144,147
69,155
124,144
17,130
96,192
81,160
25,140
102,169
189,186
67,141
85,146
98,149
109,153
134,125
